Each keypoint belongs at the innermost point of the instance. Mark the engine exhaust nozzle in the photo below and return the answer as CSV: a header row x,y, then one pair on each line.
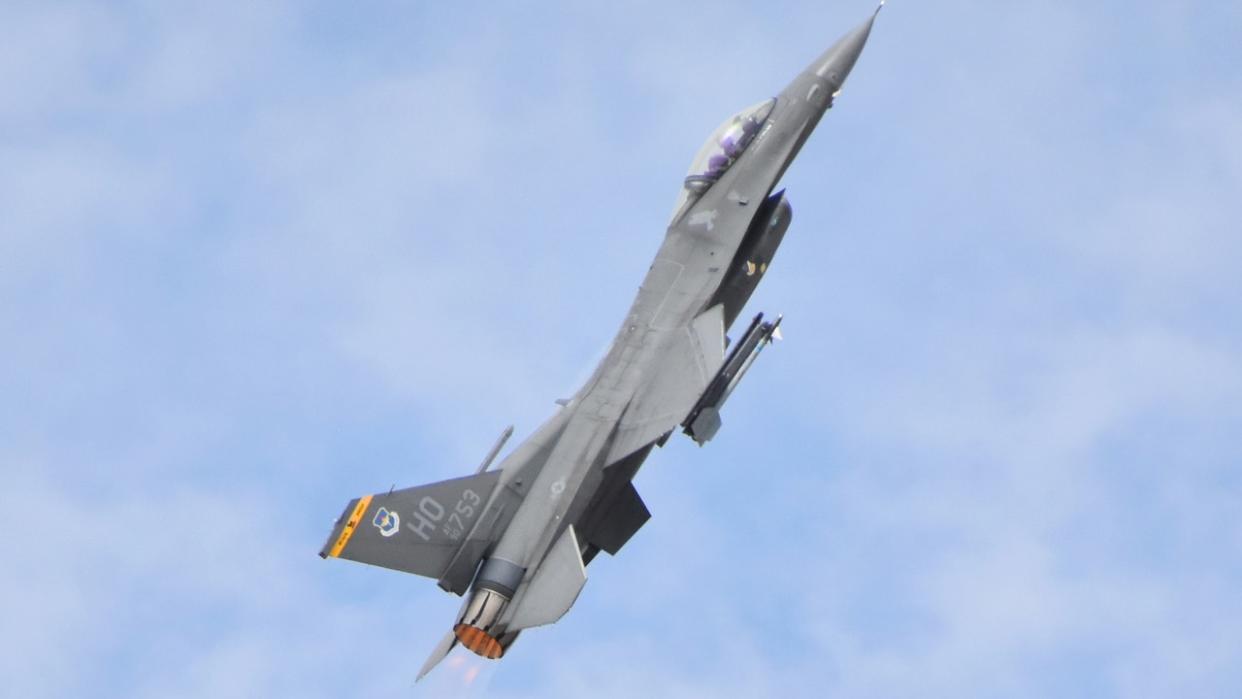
x,y
476,630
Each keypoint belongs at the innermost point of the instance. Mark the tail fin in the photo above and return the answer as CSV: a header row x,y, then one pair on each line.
x,y
413,530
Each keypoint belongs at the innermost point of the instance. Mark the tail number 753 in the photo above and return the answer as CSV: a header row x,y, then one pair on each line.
x,y
431,515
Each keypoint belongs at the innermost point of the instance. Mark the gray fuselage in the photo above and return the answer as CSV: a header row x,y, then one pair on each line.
x,y
698,251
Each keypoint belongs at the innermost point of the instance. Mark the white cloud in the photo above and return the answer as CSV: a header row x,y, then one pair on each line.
x,y
994,457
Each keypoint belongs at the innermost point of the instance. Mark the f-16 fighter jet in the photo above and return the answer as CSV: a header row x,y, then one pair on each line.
x,y
515,540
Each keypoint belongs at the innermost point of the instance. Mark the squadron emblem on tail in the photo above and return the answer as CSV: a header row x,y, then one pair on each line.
x,y
387,522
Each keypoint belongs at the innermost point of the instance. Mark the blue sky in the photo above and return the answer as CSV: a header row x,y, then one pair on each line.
x,y
256,260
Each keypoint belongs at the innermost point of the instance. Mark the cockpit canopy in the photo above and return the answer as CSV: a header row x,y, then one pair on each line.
x,y
725,145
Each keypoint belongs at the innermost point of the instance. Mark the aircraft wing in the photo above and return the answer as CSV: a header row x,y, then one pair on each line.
x,y
695,354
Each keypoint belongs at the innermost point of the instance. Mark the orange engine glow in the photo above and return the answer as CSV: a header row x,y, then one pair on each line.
x,y
478,641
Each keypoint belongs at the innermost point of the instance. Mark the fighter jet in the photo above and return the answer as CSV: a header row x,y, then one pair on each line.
x,y
515,540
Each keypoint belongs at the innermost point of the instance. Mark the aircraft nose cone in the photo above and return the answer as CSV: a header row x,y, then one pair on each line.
x,y
836,63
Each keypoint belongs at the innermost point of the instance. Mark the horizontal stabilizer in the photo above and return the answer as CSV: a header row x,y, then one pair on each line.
x,y
413,530
554,587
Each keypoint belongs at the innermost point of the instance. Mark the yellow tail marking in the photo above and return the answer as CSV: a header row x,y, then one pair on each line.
x,y
350,525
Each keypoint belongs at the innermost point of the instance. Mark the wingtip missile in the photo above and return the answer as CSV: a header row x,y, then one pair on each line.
x,y
704,419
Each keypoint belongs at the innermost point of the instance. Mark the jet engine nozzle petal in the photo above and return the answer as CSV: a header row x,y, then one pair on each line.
x,y
476,628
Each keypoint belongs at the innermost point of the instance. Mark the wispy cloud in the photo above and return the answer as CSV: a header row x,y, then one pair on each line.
x,y
254,261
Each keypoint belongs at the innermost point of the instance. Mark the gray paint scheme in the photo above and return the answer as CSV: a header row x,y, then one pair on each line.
x,y
568,486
